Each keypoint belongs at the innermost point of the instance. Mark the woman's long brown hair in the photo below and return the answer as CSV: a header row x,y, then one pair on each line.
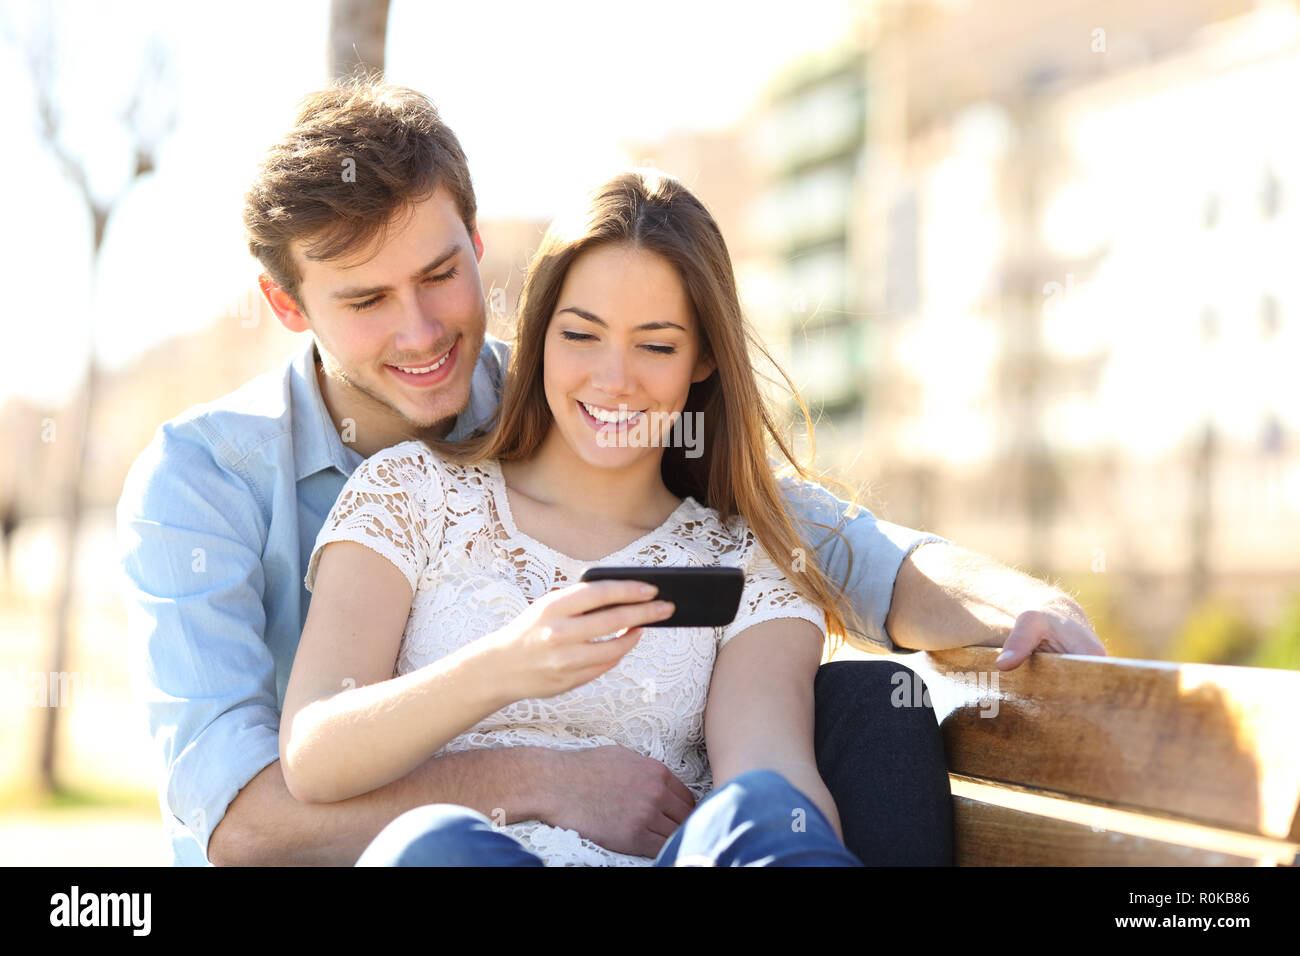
x,y
653,211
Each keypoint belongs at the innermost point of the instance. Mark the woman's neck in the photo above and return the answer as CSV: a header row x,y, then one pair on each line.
x,y
555,476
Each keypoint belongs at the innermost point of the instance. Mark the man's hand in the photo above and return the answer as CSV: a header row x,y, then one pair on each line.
x,y
945,596
1060,627
616,797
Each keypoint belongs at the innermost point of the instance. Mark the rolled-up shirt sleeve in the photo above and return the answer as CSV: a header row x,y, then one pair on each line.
x,y
866,551
190,536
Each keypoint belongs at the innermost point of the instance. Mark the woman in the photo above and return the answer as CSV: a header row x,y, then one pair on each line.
x,y
446,601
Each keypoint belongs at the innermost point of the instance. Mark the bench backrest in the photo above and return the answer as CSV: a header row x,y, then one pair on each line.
x,y
1109,761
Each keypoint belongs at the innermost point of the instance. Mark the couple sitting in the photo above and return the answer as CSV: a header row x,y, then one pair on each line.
x,y
440,511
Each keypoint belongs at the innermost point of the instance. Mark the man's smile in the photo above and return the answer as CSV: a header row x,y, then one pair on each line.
x,y
431,373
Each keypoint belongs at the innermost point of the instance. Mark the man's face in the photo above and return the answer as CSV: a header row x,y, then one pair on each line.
x,y
400,332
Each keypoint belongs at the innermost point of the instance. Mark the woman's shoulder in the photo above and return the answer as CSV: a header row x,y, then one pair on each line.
x,y
731,540
415,463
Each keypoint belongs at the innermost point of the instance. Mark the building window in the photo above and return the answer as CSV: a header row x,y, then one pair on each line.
x,y
1270,436
1210,212
1209,324
1269,317
1270,194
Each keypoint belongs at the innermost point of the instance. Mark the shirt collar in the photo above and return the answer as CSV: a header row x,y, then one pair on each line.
x,y
316,443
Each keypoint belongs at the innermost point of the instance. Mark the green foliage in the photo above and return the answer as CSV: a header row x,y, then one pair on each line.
x,y
1281,646
1216,632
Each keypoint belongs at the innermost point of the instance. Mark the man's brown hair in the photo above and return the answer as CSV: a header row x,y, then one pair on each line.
x,y
359,152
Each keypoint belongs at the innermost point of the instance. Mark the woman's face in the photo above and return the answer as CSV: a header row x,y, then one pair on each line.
x,y
622,350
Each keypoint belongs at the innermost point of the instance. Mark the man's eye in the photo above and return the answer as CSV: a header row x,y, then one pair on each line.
x,y
440,277
443,276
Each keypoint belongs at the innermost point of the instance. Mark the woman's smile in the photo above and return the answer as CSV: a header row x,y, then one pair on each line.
x,y
600,416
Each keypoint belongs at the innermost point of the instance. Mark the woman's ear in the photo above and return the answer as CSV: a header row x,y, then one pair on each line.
x,y
704,368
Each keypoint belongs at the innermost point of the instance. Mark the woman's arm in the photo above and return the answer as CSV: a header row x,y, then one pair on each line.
x,y
348,726
760,709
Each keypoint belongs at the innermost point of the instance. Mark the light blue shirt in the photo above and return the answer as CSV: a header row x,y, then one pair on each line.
x,y
216,524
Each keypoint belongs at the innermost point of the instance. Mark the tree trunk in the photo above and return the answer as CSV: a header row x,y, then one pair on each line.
x,y
67,589
358,30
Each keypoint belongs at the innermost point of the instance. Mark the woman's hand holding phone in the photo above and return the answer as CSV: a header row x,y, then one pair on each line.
x,y
551,648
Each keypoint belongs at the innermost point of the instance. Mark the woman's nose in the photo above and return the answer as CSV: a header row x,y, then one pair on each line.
x,y
610,374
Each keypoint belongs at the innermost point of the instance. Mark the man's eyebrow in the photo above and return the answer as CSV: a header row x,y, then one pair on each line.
x,y
360,293
644,327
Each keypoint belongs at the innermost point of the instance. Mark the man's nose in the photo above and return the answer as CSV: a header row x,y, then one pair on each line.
x,y
420,327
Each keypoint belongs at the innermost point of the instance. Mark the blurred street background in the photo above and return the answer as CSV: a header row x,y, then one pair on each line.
x,y
1032,264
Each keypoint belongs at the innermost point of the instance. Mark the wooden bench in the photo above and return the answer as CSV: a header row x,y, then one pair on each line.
x,y
1113,762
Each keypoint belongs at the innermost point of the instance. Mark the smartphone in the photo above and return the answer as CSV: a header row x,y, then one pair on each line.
x,y
702,597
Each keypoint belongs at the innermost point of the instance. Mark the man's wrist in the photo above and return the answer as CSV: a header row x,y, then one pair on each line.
x,y
1063,604
537,776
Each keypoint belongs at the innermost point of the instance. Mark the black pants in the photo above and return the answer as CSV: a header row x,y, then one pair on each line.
x,y
884,765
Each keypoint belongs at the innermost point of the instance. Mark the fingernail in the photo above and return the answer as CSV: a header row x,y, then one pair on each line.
x,y
665,607
1004,656
649,589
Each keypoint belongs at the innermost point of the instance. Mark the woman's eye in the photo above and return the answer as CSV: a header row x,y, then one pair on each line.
x,y
571,336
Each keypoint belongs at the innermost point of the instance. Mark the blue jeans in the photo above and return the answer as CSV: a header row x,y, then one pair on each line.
x,y
757,819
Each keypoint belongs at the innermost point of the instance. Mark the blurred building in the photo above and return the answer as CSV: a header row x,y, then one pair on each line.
x,y
807,145
1028,263
1077,243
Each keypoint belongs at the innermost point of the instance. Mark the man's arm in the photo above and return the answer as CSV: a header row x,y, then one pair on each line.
x,y
945,596
266,826
916,591
612,795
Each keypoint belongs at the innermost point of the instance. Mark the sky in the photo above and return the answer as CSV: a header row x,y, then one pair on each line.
x,y
540,95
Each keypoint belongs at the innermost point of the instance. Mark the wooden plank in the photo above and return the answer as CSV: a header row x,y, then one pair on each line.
x,y
1213,744
1002,826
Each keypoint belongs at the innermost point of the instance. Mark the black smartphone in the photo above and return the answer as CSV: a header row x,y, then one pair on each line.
x,y
702,597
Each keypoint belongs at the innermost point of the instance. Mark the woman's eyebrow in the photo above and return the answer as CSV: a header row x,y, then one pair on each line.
x,y
357,293
646,326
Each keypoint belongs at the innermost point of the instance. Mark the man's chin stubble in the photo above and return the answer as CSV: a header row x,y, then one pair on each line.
x,y
434,429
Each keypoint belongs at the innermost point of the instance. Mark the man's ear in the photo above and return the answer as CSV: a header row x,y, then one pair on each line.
x,y
704,368
282,304
478,243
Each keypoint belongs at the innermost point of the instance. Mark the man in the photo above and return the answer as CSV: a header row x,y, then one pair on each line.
x,y
364,220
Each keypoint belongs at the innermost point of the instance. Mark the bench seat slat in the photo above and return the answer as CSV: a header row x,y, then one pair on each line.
x,y
1001,826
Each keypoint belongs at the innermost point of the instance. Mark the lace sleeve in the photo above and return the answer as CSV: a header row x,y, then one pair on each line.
x,y
393,504
768,595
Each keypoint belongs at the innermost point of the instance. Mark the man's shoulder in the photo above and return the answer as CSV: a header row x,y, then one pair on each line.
x,y
238,421
217,434
495,357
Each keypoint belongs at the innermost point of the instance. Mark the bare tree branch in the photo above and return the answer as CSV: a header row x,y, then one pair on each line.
x,y
149,118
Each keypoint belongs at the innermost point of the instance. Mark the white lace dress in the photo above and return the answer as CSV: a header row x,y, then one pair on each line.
x,y
448,528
